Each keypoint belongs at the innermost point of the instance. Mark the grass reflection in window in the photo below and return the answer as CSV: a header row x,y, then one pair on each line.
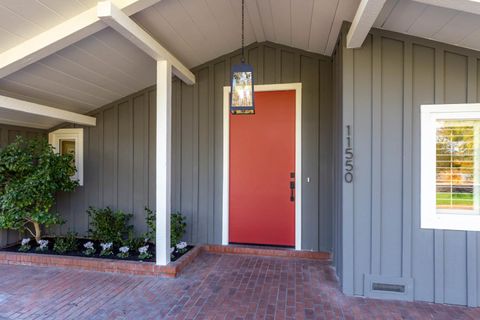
x,y
456,165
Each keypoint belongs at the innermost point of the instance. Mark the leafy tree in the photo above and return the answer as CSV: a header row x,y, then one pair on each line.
x,y
31,174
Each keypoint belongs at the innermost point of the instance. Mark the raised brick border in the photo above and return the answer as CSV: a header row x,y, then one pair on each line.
x,y
269,252
172,270
103,265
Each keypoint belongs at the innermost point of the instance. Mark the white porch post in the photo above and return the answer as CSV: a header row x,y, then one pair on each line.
x,y
163,156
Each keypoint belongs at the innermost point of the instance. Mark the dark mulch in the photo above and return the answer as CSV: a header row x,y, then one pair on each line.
x,y
79,252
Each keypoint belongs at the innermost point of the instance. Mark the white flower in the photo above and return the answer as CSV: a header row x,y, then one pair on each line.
x,y
181,245
172,249
124,249
25,241
146,240
43,243
143,249
88,245
106,246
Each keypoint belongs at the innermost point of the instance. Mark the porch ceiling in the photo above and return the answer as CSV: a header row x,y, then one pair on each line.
x,y
105,67
431,22
82,77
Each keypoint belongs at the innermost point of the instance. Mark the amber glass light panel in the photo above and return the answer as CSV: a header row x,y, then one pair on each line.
x,y
242,89
457,166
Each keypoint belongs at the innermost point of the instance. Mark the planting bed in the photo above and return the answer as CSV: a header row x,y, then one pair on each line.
x,y
80,248
76,260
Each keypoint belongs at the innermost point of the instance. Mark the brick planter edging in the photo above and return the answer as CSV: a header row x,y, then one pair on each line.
x,y
269,252
171,270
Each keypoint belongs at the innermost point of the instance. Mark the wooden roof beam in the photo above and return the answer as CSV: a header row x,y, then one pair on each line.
x,y
45,111
123,24
367,13
61,36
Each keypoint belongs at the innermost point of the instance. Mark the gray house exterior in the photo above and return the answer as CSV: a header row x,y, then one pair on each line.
x,y
120,150
383,85
364,101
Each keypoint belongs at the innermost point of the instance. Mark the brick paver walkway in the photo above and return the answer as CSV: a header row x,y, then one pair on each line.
x,y
214,287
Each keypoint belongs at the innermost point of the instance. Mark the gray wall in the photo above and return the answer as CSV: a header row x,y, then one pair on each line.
x,y
119,164
8,134
384,84
120,151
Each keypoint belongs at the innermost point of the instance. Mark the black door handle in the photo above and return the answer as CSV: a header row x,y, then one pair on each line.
x,y
292,191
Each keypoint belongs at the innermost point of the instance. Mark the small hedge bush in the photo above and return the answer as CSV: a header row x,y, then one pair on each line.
x,y
178,228
66,244
107,225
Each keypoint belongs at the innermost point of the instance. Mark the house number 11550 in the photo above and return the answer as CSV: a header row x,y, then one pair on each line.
x,y
349,157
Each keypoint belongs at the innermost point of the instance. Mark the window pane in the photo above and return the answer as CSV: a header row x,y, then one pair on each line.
x,y
67,147
456,164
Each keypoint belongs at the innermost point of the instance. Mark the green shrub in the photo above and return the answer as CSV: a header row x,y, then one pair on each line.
x,y
107,225
66,244
31,174
178,226
134,243
151,224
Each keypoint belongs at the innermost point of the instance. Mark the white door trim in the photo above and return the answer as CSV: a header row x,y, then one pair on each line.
x,y
298,157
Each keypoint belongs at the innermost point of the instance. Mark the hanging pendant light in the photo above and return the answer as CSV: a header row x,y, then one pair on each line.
x,y
242,94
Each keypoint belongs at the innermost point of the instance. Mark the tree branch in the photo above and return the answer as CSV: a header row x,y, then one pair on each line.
x,y
28,229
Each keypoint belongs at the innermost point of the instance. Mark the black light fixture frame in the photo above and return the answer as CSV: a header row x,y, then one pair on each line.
x,y
246,70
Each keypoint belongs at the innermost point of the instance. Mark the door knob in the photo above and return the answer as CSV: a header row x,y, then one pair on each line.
x,y
292,187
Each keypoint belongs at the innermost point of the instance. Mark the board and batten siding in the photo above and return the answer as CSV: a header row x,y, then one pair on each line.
x,y
119,164
384,84
120,150
8,134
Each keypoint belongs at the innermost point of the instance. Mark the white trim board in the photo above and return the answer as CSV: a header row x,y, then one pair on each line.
x,y
430,216
45,111
75,134
297,87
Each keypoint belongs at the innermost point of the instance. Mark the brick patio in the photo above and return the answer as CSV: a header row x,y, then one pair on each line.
x,y
215,286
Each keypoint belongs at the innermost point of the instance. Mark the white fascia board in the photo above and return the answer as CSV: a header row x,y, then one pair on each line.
x,y
45,111
128,28
470,6
25,124
367,13
61,36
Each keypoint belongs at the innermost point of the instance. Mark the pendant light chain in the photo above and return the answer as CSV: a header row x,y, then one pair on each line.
x,y
243,31
241,81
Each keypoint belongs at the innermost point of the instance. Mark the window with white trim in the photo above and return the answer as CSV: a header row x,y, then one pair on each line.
x,y
450,167
70,141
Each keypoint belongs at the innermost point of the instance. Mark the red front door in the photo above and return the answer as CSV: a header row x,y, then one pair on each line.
x,y
262,159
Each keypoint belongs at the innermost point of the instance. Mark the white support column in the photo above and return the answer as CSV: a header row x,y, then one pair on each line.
x,y
163,171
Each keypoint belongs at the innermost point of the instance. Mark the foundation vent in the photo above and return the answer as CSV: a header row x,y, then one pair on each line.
x,y
386,287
